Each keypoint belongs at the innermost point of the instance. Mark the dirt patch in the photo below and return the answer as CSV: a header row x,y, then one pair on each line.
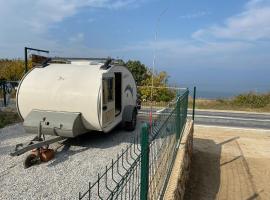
x,y
229,164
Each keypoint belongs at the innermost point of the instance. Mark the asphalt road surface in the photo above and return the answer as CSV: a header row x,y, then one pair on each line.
x,y
224,118
233,119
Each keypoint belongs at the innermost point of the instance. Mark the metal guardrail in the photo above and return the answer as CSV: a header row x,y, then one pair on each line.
x,y
142,170
7,89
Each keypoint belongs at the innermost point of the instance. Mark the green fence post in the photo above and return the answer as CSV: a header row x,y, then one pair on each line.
x,y
194,98
144,162
178,118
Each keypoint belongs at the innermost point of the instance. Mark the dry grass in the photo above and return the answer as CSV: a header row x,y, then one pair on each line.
x,y
227,104
243,102
8,117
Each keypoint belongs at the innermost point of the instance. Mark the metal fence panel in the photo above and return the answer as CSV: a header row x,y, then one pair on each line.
x,y
142,170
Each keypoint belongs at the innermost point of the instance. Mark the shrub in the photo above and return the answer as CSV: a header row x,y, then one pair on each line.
x,y
252,100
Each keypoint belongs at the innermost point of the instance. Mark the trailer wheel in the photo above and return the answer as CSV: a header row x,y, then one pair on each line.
x,y
130,126
30,160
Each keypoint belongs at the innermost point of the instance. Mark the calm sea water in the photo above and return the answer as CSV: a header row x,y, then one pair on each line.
x,y
222,82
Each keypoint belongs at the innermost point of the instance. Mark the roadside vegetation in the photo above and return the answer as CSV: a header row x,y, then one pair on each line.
x,y
8,117
12,70
143,77
243,102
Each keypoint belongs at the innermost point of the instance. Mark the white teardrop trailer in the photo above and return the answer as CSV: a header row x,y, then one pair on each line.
x,y
70,97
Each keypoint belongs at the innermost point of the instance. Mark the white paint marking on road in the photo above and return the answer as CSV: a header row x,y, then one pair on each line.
x,y
231,111
145,113
215,117
218,117
161,110
232,118
234,128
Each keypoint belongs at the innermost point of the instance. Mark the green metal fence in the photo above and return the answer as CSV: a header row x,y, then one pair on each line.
x,y
142,170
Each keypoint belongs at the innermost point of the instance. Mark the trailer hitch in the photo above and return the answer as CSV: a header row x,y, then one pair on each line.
x,y
22,148
39,148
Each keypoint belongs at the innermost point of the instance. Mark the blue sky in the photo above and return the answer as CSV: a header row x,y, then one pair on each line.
x,y
217,45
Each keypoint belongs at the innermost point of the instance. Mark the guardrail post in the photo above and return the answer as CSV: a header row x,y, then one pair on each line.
x,y
194,98
144,162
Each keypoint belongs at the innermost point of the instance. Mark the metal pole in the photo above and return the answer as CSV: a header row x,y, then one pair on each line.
x,y
144,162
25,60
194,98
4,84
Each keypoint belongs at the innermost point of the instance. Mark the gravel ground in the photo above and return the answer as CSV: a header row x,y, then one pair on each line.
x,y
77,162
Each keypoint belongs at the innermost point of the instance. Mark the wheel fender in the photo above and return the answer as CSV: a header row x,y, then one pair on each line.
x,y
127,113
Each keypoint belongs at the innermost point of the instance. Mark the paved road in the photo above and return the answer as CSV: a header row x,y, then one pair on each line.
x,y
230,119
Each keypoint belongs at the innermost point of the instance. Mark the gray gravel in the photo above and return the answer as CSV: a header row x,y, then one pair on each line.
x,y
76,163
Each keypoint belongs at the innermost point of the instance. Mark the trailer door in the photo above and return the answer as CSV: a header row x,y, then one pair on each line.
x,y
108,99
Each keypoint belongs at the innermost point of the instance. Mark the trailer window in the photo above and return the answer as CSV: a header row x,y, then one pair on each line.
x,y
108,90
118,92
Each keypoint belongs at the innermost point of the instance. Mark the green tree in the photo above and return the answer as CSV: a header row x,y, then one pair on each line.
x,y
12,70
139,71
160,92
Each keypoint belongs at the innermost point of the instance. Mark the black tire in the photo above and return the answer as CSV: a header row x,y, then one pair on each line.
x,y
31,160
130,126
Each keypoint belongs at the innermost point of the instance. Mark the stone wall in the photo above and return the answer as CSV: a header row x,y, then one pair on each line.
x,y
180,172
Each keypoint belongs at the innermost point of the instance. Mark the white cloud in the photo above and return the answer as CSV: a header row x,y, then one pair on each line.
x,y
26,23
39,14
236,43
176,49
78,38
252,24
195,15
256,4
173,53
